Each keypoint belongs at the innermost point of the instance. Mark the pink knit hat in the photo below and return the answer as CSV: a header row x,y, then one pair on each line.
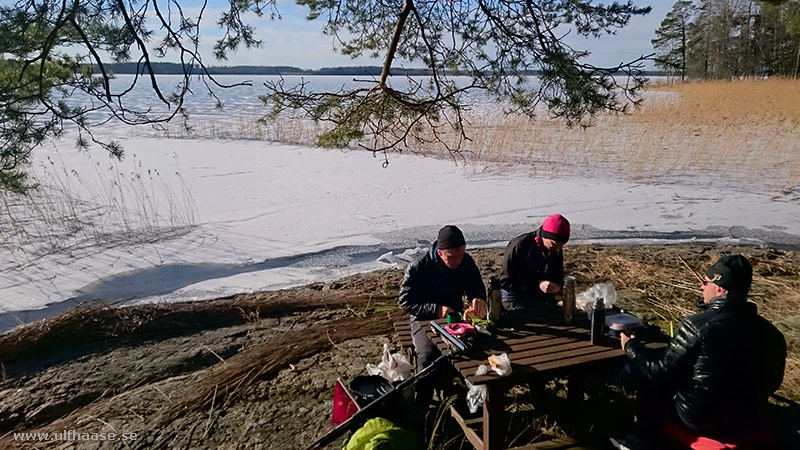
x,y
556,227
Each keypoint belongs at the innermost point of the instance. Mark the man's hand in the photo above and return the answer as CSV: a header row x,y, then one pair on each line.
x,y
478,309
623,339
444,311
548,287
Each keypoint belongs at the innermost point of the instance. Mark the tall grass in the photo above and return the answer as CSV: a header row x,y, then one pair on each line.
x,y
741,133
737,133
77,215
287,129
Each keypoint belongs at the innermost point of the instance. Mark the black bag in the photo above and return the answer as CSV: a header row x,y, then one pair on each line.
x,y
367,388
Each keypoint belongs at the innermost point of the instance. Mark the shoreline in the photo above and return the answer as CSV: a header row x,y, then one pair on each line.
x,y
358,260
123,363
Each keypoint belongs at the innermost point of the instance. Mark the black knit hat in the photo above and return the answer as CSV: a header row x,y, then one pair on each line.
x,y
733,273
450,237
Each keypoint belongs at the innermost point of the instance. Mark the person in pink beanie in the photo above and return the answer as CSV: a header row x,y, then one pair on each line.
x,y
533,265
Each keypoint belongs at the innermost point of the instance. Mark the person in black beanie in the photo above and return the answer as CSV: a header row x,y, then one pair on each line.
x,y
719,369
435,284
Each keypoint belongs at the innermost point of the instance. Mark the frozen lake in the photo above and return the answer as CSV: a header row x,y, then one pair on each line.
x,y
224,217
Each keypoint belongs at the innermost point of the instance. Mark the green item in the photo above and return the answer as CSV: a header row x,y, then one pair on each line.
x,y
487,322
453,317
381,434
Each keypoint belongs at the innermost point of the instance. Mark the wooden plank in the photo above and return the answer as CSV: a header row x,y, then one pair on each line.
x,y
560,349
493,419
403,332
469,433
560,352
406,341
482,346
541,348
534,342
553,362
607,354
557,444
532,347
524,334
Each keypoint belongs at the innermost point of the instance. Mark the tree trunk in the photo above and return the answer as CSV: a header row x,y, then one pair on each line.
x,y
408,5
683,51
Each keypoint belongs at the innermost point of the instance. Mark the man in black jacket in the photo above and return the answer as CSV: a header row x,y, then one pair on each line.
x,y
533,265
434,285
722,364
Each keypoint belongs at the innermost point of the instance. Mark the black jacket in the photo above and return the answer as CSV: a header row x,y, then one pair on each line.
x,y
428,284
526,263
723,364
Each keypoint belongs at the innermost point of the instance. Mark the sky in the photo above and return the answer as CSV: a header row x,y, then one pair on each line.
x,y
293,41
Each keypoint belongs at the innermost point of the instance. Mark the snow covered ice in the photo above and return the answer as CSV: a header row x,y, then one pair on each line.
x,y
270,216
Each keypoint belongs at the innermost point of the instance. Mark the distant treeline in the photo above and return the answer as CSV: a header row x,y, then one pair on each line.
x,y
724,39
177,69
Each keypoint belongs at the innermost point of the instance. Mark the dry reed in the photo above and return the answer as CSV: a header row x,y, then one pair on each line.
x,y
111,325
74,215
750,128
224,383
684,131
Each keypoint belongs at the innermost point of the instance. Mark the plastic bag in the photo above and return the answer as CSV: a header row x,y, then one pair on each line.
x,y
393,366
475,396
500,363
402,259
586,299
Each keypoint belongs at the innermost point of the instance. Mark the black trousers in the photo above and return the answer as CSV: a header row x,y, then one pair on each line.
x,y
426,354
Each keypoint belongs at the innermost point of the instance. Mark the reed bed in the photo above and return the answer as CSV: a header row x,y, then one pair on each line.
x,y
225,383
80,215
743,133
109,325
729,104
288,129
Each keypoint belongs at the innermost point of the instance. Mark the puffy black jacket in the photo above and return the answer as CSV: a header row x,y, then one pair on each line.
x,y
526,263
723,363
428,284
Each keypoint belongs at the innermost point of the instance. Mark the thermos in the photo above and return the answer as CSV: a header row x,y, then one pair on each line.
x,y
598,320
568,299
495,300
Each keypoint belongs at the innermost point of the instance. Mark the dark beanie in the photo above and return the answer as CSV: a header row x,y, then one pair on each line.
x,y
450,237
733,273
556,227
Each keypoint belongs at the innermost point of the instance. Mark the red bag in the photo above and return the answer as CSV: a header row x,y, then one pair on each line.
x,y
344,406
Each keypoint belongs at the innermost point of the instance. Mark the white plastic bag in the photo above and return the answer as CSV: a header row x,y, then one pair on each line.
x,y
402,259
475,396
585,300
393,366
500,363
